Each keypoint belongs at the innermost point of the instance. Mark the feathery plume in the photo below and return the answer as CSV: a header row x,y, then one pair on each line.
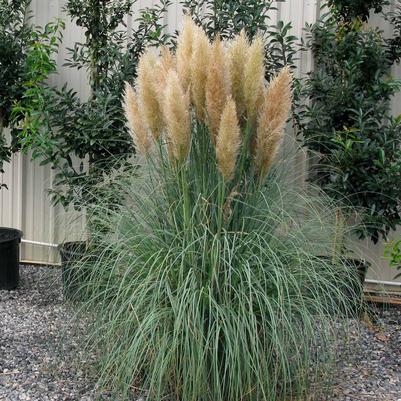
x,y
217,86
254,78
184,51
272,119
148,95
228,140
165,63
237,56
176,115
200,57
136,125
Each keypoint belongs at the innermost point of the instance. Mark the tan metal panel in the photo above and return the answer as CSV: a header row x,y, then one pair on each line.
x,y
11,198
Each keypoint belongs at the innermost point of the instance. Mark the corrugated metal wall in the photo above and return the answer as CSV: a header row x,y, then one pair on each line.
x,y
26,204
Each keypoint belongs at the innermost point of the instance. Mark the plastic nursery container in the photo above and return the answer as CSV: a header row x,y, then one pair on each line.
x,y
71,253
10,240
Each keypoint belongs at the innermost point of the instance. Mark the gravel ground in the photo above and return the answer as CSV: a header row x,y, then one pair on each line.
x,y
370,369
41,360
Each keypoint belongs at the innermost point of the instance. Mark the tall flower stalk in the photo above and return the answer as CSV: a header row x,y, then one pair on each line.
x,y
219,90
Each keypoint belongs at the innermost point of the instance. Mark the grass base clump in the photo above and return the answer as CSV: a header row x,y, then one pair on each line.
x,y
207,281
214,316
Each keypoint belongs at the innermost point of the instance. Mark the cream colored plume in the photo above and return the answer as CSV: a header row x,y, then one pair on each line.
x,y
237,56
217,86
228,141
272,120
177,117
184,51
136,125
148,94
165,63
254,78
199,62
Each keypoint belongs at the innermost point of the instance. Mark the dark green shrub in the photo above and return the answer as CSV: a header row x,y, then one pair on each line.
x,y
95,129
86,140
351,9
30,115
392,253
14,34
346,121
228,18
394,42
26,60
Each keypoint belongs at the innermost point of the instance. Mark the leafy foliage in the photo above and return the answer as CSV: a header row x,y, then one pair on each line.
x,y
348,10
392,252
30,115
347,122
228,18
14,34
394,42
94,130
27,61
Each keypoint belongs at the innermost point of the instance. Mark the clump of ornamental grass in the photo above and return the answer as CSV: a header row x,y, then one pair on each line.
x,y
207,282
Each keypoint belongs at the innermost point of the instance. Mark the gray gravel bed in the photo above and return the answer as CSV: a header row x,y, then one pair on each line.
x,y
370,367
42,360
40,357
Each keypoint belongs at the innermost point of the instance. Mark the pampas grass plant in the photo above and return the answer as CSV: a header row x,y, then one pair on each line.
x,y
207,284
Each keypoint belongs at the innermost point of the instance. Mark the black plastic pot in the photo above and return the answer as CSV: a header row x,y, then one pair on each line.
x,y
354,289
360,268
10,240
71,253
